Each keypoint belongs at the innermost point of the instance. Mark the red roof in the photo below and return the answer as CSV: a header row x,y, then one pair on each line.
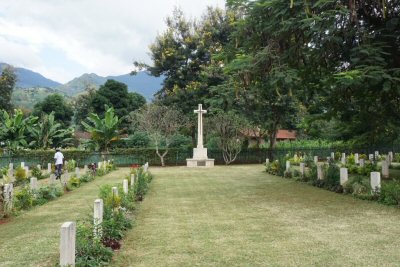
x,y
286,134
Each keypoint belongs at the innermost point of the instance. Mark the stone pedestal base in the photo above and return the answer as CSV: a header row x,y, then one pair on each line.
x,y
191,163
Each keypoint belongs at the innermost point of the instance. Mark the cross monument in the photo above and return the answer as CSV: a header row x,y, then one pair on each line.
x,y
200,158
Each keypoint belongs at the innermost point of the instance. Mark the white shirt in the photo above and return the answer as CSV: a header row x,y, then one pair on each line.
x,y
59,158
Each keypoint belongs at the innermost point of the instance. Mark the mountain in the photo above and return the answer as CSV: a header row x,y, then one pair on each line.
x,y
28,79
141,83
26,98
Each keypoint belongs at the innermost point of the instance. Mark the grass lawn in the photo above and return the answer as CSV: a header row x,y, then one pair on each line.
x,y
240,216
32,239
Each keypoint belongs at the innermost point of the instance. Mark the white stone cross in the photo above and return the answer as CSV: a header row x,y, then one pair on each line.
x,y
200,113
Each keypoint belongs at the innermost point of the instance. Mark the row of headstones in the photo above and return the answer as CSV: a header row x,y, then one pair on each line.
x,y
68,229
375,177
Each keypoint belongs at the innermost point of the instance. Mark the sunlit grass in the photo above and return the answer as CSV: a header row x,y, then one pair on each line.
x,y
240,216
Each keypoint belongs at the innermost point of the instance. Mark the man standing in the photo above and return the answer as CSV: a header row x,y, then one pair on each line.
x,y
59,158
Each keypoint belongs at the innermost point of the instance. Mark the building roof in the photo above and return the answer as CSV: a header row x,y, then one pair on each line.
x,y
286,134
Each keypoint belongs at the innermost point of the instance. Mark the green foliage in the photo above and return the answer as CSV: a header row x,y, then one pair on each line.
x,y
49,133
86,178
20,175
36,172
138,139
103,131
332,178
71,165
8,78
14,128
57,105
390,193
74,182
47,193
23,198
90,250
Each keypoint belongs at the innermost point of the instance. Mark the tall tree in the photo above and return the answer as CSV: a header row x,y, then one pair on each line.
x,y
7,83
55,103
161,123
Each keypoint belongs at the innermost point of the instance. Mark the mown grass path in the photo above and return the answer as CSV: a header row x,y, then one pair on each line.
x,y
240,216
32,239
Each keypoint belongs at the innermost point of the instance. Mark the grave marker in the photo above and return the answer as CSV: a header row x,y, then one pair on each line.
x,y
114,191
344,176
333,156
33,183
362,163
315,159
125,185
343,158
302,168
287,165
356,158
375,181
98,217
67,244
385,169
132,180
320,173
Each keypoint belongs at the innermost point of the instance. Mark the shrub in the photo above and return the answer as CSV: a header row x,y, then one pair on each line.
x,y
71,165
390,193
74,182
89,250
36,172
23,199
86,178
332,177
20,175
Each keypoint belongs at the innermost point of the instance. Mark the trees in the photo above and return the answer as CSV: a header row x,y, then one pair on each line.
x,y
47,133
57,104
103,131
228,128
7,83
161,123
13,129
115,94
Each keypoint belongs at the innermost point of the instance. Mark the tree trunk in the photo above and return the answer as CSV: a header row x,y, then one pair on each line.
x,y
161,156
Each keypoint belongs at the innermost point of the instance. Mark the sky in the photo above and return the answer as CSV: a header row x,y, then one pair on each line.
x,y
63,39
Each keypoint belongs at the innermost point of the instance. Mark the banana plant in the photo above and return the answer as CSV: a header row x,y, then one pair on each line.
x,y
13,129
47,133
103,131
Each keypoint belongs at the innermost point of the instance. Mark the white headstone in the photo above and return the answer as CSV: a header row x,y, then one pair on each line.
x,y
99,165
356,158
33,183
344,175
333,155
132,180
10,172
125,185
39,167
98,217
8,196
390,156
343,158
362,163
376,155
114,191
385,169
22,164
287,165
85,169
375,181
266,161
77,173
48,167
27,171
302,168
52,178
315,159
67,244
320,173
371,157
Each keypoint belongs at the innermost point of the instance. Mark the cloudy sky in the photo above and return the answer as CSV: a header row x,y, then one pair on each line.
x,y
63,39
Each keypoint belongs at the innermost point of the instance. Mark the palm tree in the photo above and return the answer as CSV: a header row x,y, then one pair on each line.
x,y
103,131
49,133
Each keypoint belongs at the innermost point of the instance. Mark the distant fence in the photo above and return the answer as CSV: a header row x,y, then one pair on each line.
x,y
177,157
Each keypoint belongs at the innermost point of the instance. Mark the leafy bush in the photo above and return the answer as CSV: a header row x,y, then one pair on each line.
x,y
390,193
90,250
71,165
332,178
36,172
46,193
74,182
86,178
23,199
20,175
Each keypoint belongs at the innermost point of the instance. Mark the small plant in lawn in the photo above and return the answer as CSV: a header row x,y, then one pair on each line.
x,y
74,182
36,172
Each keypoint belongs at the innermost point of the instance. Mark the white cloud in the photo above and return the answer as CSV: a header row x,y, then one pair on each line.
x,y
98,36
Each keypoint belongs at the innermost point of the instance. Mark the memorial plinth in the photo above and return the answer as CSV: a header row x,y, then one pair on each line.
x,y
200,158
